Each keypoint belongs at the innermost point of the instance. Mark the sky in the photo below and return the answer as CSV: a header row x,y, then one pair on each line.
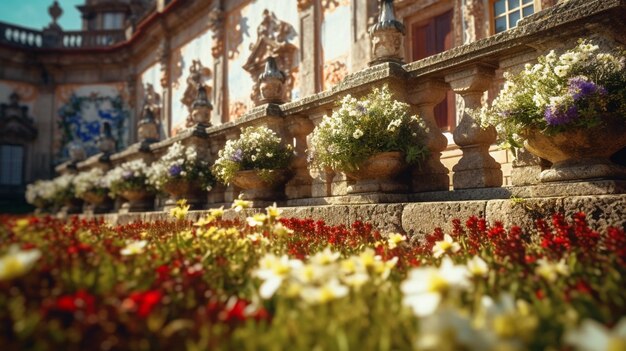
x,y
34,13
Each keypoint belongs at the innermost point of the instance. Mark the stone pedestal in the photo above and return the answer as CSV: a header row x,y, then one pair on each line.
x,y
431,174
476,168
526,168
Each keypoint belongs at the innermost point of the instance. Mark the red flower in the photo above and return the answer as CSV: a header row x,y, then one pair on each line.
x,y
145,301
80,301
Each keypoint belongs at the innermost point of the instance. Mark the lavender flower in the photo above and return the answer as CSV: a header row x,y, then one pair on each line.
x,y
175,170
127,175
560,115
237,156
362,109
581,88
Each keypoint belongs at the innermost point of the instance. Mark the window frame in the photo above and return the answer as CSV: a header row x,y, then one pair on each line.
x,y
23,164
492,14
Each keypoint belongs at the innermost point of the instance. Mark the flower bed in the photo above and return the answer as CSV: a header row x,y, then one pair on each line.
x,y
296,284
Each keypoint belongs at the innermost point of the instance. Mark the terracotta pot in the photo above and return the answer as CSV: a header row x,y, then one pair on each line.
x,y
383,165
136,195
378,173
581,153
256,188
94,198
181,188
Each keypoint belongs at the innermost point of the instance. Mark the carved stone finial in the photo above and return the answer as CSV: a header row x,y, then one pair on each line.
x,y
55,11
198,74
77,152
106,142
271,82
201,108
386,35
14,120
147,128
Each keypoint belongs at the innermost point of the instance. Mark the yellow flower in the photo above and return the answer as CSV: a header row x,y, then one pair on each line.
x,y
331,290
550,271
273,212
134,248
444,246
256,220
394,239
17,262
240,204
217,212
180,212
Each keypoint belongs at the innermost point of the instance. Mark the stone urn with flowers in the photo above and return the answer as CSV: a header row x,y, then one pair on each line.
x,y
575,116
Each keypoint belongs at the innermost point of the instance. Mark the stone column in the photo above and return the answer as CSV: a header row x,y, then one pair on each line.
x,y
310,73
300,185
363,16
431,174
215,197
164,60
476,168
216,25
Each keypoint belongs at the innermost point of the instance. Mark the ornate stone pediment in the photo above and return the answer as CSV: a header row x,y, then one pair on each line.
x,y
273,39
14,121
198,74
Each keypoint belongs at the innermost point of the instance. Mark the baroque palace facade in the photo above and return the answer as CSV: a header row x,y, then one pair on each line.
x,y
58,88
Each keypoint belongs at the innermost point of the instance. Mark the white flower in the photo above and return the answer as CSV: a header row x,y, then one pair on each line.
x,y
550,271
477,267
134,248
424,286
329,291
357,134
593,336
256,220
325,257
444,246
561,70
17,262
273,270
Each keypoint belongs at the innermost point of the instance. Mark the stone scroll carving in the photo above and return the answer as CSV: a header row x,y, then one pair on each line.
x,y
15,122
198,74
273,40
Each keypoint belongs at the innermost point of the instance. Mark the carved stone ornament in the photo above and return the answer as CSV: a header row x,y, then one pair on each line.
x,y
216,25
201,108
77,152
163,55
273,40
106,142
304,4
147,128
271,83
386,35
14,121
198,74
474,17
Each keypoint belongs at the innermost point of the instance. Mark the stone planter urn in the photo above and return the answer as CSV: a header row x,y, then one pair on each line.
x,y
137,200
96,202
580,154
255,187
72,206
378,174
179,189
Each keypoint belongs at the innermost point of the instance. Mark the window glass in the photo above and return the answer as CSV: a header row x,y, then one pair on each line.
x,y
507,13
113,21
11,164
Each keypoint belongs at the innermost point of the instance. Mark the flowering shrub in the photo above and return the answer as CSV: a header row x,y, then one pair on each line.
x,y
132,175
41,193
90,181
180,163
573,90
268,283
258,148
364,127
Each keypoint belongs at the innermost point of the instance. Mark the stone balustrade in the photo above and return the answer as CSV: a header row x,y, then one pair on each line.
x,y
470,71
21,37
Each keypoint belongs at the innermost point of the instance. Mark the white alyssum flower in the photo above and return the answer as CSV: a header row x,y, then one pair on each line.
x,y
357,134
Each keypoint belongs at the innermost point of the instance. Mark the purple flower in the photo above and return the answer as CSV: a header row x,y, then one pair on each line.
x,y
237,156
581,88
560,115
362,109
127,175
175,170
